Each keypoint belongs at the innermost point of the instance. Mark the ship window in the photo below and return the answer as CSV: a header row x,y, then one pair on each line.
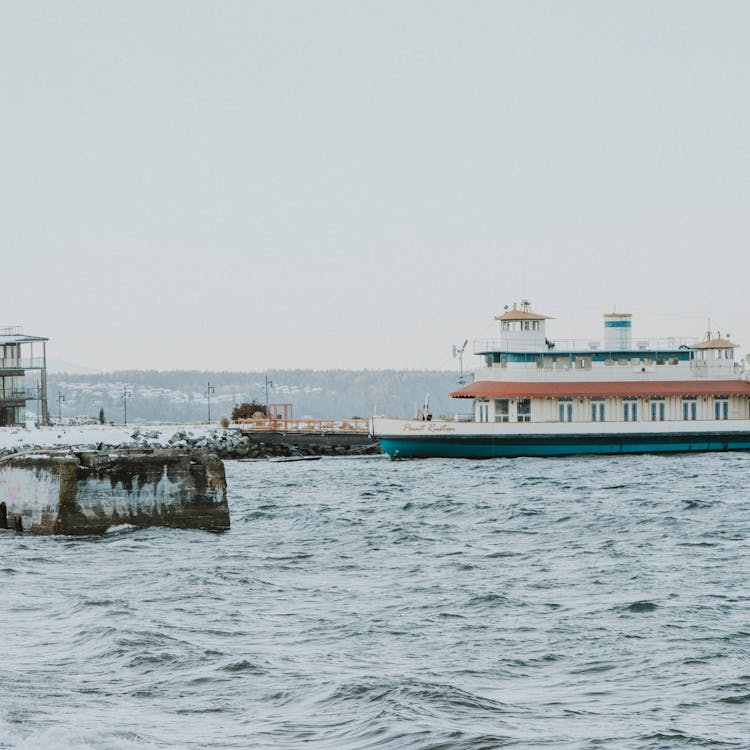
x,y
648,361
501,410
597,411
657,409
524,410
609,362
536,325
635,361
488,358
660,360
622,361
540,362
721,407
583,363
630,410
673,361
689,409
565,409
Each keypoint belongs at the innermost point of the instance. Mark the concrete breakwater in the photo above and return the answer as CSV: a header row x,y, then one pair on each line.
x,y
86,492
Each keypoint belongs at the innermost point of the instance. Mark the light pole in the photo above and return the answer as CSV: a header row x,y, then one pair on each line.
x,y
39,403
209,390
269,384
126,394
60,399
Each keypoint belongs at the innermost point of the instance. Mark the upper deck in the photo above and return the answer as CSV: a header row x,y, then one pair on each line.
x,y
525,352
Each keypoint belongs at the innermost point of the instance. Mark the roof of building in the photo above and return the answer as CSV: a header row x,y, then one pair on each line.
x,y
21,339
520,315
639,388
716,344
523,314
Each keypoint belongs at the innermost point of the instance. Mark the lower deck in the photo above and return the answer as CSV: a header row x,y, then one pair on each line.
x,y
414,439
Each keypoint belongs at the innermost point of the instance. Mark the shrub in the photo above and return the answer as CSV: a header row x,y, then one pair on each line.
x,y
248,410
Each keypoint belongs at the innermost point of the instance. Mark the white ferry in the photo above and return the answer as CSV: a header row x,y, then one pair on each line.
x,y
537,397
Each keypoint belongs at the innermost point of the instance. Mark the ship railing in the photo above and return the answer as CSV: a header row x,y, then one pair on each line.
x,y
356,425
11,331
669,344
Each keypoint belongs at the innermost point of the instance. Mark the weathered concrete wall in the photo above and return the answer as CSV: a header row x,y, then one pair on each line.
x,y
86,492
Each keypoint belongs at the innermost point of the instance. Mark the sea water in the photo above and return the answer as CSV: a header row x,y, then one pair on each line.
x,y
598,602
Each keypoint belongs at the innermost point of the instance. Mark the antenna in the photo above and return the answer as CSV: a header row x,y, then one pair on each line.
x,y
460,354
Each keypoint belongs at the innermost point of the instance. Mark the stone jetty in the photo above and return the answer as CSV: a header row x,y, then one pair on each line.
x,y
232,443
70,491
228,443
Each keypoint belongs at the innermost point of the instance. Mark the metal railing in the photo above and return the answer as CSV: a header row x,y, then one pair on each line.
x,y
21,363
11,331
356,425
672,343
17,394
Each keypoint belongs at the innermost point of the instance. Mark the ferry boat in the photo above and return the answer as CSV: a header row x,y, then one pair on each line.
x,y
535,396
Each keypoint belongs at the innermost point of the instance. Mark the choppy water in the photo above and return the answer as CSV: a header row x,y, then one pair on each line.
x,y
364,603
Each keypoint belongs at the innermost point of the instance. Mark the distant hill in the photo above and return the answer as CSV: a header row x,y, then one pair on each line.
x,y
180,395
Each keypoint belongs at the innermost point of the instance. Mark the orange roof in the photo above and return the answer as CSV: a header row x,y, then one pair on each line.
x,y
639,388
617,315
520,315
716,344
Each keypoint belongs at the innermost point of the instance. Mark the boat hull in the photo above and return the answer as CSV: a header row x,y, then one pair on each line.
x,y
466,441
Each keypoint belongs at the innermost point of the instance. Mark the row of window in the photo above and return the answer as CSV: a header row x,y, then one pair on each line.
x,y
578,362
520,325
656,406
657,409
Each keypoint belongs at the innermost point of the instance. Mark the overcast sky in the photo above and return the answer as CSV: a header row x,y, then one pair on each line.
x,y
251,185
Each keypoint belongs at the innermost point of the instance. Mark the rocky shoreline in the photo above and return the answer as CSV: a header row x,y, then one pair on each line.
x,y
225,443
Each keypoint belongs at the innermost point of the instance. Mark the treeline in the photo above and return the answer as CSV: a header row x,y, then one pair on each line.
x,y
181,395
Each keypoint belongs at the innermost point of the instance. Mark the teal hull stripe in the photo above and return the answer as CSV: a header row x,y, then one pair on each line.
x,y
495,447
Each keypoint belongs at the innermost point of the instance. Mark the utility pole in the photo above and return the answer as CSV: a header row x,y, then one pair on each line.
x,y
60,399
126,394
209,390
269,384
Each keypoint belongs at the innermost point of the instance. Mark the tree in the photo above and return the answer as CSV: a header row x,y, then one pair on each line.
x,y
101,416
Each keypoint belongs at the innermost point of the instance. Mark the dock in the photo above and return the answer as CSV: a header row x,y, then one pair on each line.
x,y
319,437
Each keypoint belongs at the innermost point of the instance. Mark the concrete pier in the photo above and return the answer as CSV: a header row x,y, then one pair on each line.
x,y
86,492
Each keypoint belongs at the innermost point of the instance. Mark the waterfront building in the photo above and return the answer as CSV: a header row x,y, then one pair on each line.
x,y
20,354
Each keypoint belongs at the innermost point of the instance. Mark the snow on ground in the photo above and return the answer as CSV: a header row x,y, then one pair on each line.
x,y
49,437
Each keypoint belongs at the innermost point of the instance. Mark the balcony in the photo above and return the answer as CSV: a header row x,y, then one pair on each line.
x,y
18,395
21,363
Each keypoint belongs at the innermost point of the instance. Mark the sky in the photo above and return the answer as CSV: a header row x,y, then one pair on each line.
x,y
244,185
